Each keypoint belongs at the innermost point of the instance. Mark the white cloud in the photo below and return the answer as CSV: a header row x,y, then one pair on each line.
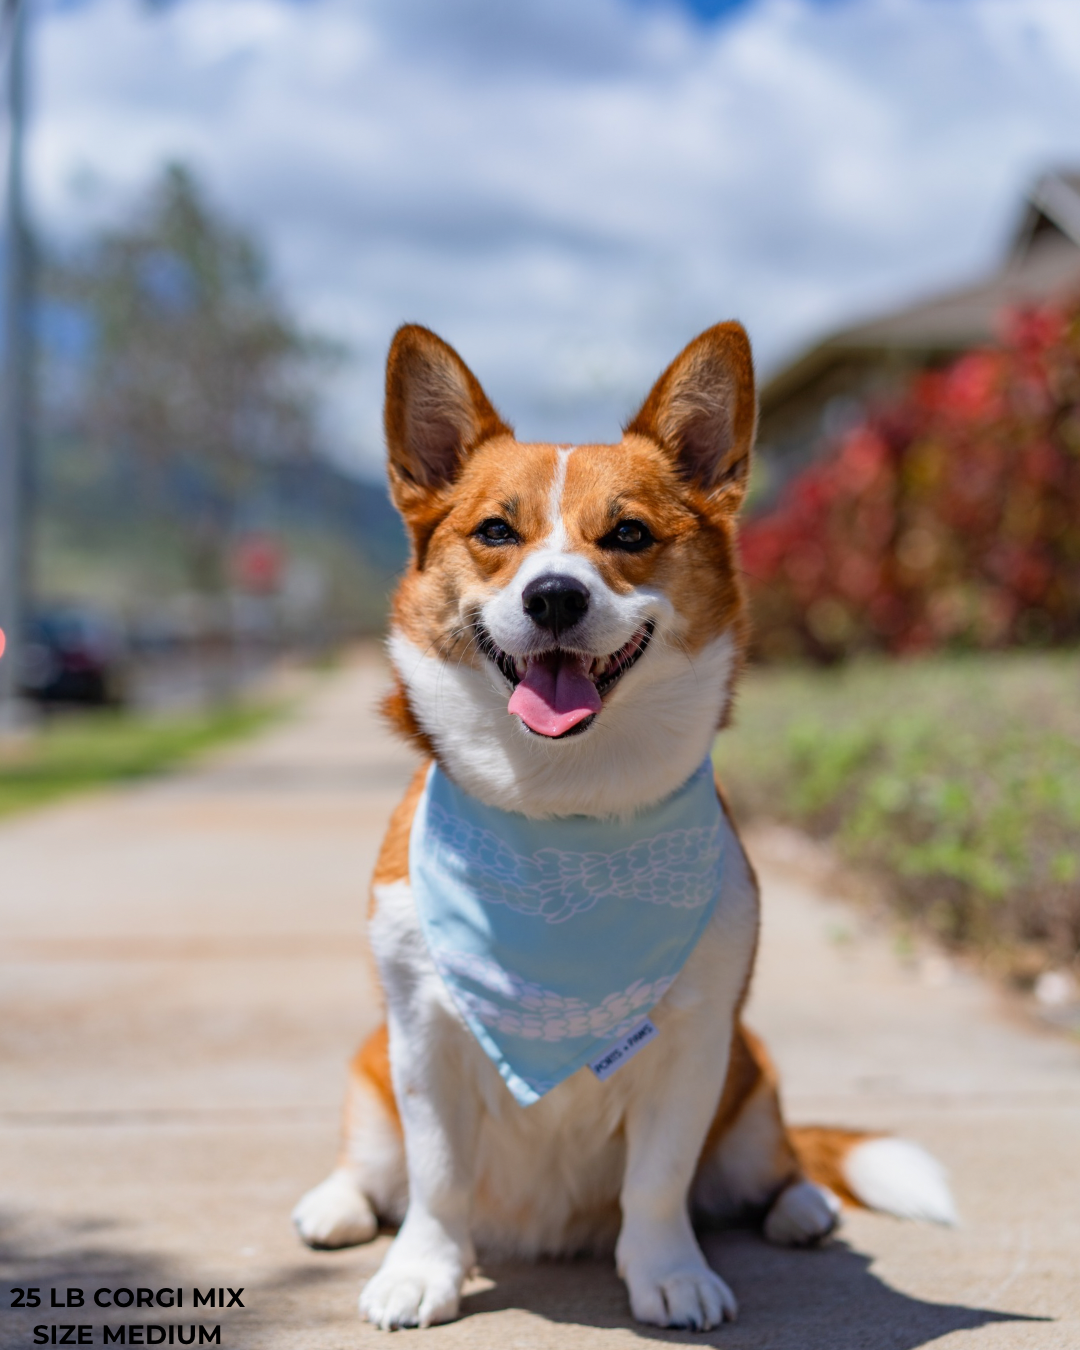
x,y
568,192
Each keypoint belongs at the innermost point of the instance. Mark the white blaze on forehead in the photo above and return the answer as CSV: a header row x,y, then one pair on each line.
x,y
612,619
557,538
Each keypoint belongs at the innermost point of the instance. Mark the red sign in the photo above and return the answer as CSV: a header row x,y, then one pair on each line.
x,y
258,563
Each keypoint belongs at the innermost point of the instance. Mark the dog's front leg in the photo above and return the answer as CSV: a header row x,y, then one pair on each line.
x,y
419,1282
669,1281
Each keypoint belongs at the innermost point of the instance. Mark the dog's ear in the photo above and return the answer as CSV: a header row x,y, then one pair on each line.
x,y
435,415
703,412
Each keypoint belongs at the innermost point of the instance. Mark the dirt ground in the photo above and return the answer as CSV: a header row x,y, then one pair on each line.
x,y
184,976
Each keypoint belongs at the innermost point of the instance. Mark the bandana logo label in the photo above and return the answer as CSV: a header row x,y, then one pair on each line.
x,y
615,1056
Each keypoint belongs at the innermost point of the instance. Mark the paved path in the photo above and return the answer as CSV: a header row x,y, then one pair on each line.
x,y
183,977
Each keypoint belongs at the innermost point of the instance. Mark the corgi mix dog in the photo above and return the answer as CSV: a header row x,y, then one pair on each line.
x,y
565,644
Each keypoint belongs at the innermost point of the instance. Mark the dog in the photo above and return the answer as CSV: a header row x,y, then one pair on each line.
x,y
565,643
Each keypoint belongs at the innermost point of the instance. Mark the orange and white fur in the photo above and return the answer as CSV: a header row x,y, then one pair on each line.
x,y
640,538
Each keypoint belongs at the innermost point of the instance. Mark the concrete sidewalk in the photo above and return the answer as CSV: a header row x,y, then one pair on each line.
x,y
183,979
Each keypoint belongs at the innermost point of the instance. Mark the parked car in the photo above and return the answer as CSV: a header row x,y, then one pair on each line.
x,y
74,654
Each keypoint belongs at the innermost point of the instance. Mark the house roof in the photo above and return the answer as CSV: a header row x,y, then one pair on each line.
x,y
1043,259
1054,201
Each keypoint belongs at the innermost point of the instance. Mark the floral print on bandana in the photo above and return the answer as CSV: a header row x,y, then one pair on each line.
x,y
675,868
543,1014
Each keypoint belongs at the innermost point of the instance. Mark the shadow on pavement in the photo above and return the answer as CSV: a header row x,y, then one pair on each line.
x,y
43,1255
824,1299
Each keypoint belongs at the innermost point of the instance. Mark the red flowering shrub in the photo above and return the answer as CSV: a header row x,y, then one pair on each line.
x,y
949,518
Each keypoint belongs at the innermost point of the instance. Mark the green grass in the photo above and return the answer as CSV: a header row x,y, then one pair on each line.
x,y
957,777
72,754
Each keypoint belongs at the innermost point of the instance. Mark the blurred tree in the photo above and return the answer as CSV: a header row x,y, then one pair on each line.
x,y
194,371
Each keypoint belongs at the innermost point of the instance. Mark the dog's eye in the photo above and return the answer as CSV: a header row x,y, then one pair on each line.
x,y
630,536
495,531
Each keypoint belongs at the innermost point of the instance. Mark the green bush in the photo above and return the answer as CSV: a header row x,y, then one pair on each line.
x,y
958,777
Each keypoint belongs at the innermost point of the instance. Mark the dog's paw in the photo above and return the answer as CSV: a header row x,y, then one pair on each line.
x,y
802,1214
335,1214
696,1299
411,1294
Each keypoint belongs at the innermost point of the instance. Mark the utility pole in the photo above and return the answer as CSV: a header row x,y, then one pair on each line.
x,y
15,356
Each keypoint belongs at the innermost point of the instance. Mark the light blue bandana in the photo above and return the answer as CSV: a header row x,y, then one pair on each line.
x,y
556,937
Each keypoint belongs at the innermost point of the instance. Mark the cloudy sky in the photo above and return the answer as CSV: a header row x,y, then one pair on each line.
x,y
567,190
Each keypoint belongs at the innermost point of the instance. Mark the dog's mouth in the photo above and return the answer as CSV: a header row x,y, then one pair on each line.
x,y
558,692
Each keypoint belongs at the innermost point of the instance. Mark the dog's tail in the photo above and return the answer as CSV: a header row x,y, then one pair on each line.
x,y
877,1171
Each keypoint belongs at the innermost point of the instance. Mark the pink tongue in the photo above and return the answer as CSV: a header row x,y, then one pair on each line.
x,y
555,694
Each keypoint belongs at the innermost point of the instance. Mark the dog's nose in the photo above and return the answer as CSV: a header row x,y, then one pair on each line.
x,y
555,602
